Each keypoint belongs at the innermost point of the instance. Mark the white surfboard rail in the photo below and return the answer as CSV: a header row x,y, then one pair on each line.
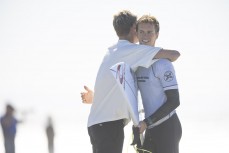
x,y
127,83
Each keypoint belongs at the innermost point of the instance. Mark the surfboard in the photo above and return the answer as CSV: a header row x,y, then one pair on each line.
x,y
127,84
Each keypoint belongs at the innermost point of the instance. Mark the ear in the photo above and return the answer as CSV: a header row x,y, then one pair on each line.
x,y
133,28
157,35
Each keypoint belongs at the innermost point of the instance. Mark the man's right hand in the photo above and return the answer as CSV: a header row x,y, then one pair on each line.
x,y
142,126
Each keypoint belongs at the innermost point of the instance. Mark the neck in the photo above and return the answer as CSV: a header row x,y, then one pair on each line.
x,y
126,38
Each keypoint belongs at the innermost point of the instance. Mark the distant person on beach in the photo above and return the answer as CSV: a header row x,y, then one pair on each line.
x,y
160,96
9,128
108,116
50,135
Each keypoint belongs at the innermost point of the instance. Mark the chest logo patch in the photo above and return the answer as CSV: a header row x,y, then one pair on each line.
x,y
168,76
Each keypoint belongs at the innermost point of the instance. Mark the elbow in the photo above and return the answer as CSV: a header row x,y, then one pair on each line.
x,y
175,56
177,103
176,100
178,54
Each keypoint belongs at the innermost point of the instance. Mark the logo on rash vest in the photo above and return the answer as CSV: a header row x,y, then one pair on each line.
x,y
120,74
168,76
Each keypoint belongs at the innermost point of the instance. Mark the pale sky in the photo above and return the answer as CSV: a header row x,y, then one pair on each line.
x,y
50,49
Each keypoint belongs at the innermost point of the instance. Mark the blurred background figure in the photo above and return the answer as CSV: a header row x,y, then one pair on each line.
x,y
50,135
9,128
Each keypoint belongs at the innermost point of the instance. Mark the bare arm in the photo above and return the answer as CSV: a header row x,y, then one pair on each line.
x,y
171,55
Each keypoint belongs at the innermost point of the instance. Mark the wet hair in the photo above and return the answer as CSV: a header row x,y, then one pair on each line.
x,y
149,19
123,21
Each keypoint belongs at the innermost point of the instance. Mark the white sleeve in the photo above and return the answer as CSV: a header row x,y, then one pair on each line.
x,y
164,70
143,56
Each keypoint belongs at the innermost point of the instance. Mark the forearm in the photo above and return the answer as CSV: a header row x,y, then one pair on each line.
x,y
171,55
171,104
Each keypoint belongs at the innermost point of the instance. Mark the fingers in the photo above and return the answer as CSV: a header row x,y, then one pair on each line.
x,y
87,89
83,97
83,100
83,94
87,96
142,126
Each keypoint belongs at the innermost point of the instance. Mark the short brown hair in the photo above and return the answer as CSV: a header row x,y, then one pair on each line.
x,y
149,19
123,21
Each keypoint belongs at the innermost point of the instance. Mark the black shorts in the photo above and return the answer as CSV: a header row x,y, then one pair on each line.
x,y
107,137
163,138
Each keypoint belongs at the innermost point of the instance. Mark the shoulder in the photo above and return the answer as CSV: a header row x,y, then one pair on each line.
x,y
162,63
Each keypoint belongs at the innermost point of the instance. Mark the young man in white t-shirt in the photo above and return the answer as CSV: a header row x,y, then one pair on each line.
x,y
109,114
160,96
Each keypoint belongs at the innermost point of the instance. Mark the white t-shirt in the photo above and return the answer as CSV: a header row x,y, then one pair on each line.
x,y
108,100
153,81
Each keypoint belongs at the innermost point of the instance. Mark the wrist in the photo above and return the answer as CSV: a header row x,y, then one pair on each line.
x,y
145,125
148,122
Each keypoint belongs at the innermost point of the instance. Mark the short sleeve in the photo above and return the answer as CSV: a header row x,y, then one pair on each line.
x,y
164,70
143,56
